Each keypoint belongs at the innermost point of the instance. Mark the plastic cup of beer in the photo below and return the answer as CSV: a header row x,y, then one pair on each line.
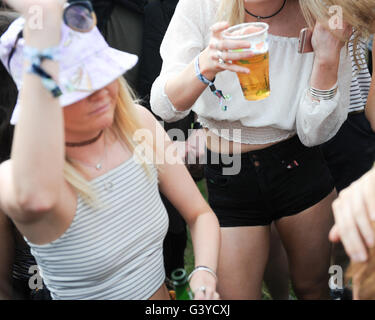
x,y
255,85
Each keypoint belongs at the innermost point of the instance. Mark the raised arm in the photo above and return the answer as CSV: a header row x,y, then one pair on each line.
x,y
34,176
177,88
318,120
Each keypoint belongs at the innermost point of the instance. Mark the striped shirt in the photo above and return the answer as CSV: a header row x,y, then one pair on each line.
x,y
114,252
361,80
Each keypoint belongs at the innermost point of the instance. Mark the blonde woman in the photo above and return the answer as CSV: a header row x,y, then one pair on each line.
x,y
76,186
355,206
283,177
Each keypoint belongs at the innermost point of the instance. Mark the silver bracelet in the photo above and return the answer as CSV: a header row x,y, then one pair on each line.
x,y
203,268
323,94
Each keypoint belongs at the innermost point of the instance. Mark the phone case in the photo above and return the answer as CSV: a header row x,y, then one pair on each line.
x,y
304,45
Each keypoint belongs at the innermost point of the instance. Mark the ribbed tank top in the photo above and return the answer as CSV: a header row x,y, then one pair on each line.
x,y
113,252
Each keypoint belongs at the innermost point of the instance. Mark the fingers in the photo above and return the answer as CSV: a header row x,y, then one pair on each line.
x,y
369,193
350,236
215,56
361,217
222,45
206,294
334,234
218,28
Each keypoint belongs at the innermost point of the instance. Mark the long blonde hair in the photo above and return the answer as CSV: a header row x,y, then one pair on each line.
x,y
126,123
360,14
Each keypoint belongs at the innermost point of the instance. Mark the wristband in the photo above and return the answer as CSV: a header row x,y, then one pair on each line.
x,y
200,76
203,79
36,58
203,268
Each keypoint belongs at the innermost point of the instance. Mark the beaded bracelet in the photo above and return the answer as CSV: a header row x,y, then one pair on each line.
x,y
36,57
203,268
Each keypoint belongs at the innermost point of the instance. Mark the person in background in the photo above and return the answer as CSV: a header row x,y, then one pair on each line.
x,y
283,177
121,23
351,153
88,163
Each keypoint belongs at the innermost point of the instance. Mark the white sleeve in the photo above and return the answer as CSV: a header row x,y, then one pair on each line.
x,y
318,122
183,41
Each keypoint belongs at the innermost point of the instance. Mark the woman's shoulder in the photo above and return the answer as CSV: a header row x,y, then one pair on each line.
x,y
147,120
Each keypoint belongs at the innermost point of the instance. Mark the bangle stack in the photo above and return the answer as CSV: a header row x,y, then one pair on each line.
x,y
202,268
320,95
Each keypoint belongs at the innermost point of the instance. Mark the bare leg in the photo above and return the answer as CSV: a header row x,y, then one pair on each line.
x,y
243,257
276,275
305,237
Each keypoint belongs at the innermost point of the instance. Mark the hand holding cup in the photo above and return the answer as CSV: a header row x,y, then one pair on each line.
x,y
218,57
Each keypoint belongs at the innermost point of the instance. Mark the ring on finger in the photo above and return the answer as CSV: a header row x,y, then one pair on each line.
x,y
202,288
221,61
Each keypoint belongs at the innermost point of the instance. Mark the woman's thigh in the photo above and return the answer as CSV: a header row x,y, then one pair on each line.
x,y
243,257
305,237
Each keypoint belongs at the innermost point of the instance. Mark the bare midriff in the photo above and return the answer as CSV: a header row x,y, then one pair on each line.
x,y
218,144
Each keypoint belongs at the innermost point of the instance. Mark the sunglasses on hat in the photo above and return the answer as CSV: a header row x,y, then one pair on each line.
x,y
79,15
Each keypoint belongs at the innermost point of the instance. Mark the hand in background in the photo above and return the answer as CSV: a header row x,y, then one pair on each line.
x,y
354,212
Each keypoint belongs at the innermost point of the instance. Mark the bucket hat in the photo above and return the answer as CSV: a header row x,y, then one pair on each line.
x,y
87,62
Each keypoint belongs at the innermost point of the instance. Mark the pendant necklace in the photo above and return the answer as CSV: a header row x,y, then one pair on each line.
x,y
99,164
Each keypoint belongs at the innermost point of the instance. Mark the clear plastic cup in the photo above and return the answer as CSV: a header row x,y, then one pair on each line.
x,y
255,85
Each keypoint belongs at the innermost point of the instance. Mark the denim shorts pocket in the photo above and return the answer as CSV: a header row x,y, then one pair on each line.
x,y
214,177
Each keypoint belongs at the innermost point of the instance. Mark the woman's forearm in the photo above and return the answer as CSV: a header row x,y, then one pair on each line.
x,y
324,74
205,234
38,147
185,88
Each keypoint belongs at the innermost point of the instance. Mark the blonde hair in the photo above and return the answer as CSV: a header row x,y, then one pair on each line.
x,y
232,11
360,14
126,123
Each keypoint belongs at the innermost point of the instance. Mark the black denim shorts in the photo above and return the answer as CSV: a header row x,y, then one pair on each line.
x,y
282,180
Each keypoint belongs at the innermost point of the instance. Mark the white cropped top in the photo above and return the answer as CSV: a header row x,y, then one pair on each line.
x,y
286,112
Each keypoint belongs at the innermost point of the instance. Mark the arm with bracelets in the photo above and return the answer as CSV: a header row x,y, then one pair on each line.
x,y
33,178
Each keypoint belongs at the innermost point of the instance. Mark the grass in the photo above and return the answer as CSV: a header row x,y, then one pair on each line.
x,y
189,253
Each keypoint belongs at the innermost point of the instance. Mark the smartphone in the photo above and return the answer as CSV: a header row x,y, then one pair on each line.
x,y
304,45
